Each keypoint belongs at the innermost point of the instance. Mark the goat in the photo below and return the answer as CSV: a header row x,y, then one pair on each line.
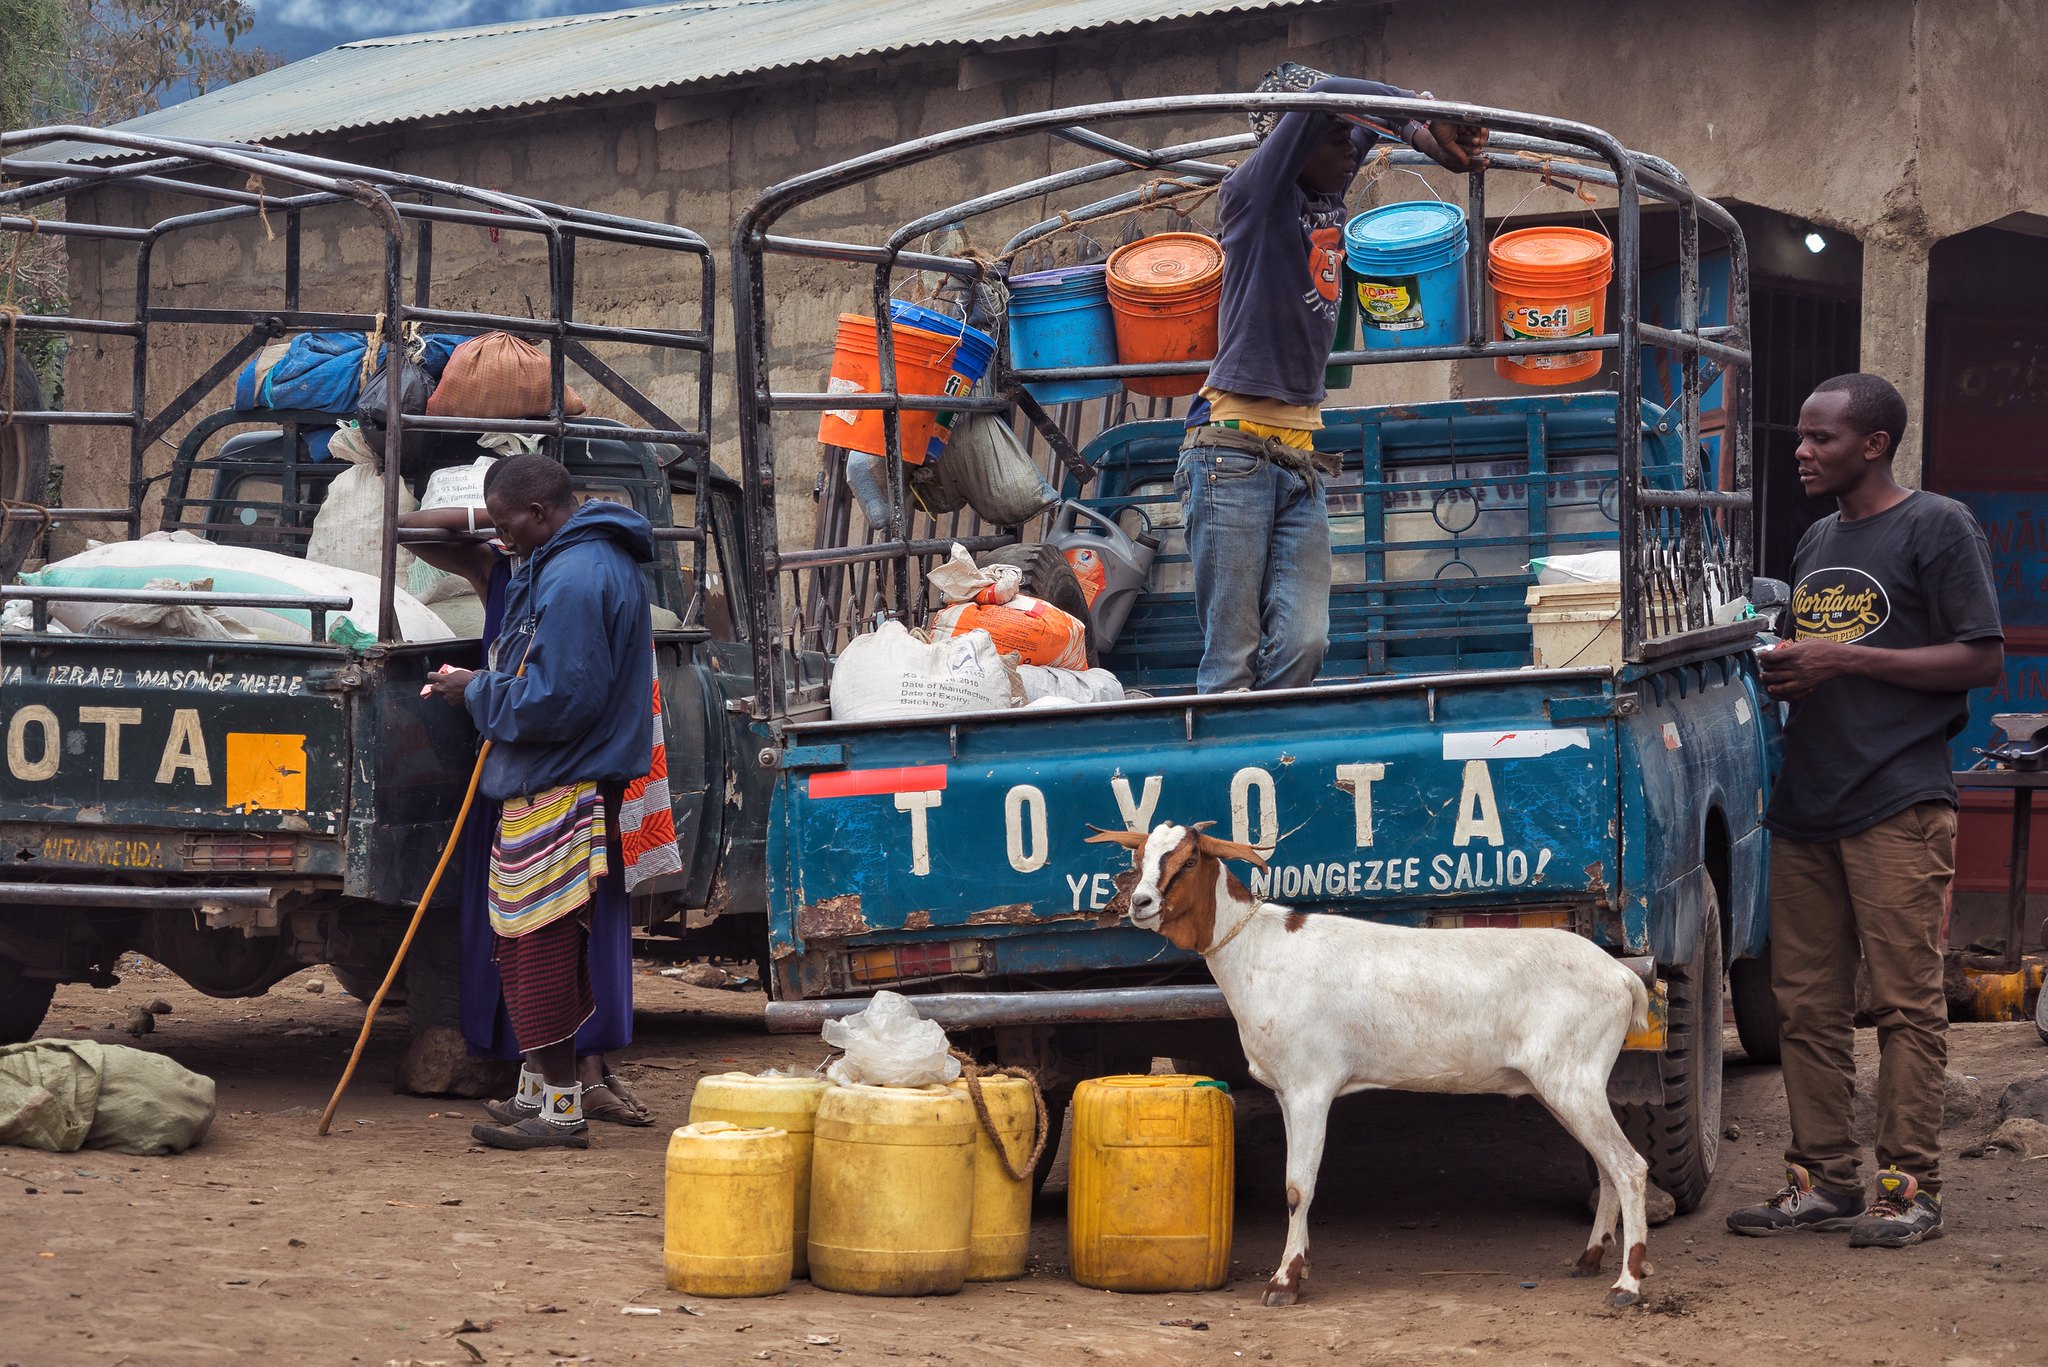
x,y
1328,1005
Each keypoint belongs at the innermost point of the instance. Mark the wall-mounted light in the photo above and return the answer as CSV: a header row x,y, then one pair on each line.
x,y
1815,243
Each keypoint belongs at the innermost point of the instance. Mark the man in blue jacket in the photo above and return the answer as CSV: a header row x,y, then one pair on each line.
x,y
564,705
1250,479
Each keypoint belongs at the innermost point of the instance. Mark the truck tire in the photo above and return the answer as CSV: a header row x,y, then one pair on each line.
x,y
1057,1099
23,1004
24,469
1681,1139
1048,576
1756,1007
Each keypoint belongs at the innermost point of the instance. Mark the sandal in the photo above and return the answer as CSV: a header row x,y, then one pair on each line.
x,y
626,1094
602,1103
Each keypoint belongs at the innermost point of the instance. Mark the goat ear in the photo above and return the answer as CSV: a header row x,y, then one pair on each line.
x,y
1130,840
1229,849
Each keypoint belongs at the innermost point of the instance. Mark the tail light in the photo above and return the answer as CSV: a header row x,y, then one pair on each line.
x,y
905,962
239,850
1554,919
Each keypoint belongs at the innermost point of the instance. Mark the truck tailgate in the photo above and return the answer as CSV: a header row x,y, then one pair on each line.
x,y
1399,799
109,740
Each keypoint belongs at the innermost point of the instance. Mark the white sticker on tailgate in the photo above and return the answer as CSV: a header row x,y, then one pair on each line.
x,y
1533,743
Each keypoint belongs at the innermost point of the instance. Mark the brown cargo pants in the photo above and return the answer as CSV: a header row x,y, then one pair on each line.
x,y
1880,891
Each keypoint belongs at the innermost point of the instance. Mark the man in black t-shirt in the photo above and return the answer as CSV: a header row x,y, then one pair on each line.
x,y
1894,620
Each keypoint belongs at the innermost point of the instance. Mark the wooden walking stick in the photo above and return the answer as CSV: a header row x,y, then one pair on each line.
x,y
418,915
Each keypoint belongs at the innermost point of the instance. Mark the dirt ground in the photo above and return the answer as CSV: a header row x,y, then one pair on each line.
x,y
1443,1230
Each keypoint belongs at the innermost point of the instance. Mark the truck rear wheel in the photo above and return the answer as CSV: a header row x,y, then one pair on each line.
x,y
1756,1007
1681,1139
24,1002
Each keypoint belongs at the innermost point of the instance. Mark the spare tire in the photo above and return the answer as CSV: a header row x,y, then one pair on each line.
x,y
1048,576
24,468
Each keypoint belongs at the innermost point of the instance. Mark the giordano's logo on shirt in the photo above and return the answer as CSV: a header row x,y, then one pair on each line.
x,y
1839,603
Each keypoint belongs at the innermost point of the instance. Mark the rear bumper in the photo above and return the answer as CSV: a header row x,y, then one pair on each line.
x,y
1109,1005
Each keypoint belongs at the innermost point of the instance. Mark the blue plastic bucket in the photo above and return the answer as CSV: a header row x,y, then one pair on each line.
x,y
970,359
1404,264
1063,318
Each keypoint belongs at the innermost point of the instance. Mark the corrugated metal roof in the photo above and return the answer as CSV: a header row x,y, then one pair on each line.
x,y
382,81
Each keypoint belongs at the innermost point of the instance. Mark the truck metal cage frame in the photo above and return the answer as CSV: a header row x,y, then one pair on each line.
x,y
232,182
1680,532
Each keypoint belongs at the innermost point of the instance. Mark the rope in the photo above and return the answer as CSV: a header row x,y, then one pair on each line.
x,y
371,340
1149,199
255,183
10,314
23,505
973,1073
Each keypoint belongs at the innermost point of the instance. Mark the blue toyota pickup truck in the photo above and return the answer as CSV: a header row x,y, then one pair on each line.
x,y
1462,760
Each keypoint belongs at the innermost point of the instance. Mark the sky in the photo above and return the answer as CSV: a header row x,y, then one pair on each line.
x,y
299,28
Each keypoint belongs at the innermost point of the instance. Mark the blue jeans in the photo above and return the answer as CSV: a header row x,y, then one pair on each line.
x,y
1259,537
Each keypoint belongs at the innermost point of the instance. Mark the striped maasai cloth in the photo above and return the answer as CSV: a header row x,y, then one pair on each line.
x,y
550,852
546,978
647,822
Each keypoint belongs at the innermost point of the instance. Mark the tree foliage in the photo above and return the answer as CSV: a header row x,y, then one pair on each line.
x,y
32,44
126,57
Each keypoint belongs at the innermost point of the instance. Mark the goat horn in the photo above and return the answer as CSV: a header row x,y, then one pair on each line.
x,y
1200,826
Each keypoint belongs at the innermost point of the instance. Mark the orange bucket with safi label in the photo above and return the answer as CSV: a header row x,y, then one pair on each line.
x,y
1549,283
1165,292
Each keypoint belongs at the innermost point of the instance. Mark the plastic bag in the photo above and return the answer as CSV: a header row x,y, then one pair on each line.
x,y
1590,567
890,1045
986,465
415,387
960,580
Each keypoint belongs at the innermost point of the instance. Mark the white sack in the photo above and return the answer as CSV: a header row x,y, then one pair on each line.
x,y
234,569
1073,685
888,672
348,529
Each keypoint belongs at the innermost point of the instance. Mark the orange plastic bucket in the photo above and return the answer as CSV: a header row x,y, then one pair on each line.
x,y
1549,283
924,365
1166,291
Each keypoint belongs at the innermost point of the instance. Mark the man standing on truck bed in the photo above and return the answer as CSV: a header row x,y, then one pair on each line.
x,y
1250,479
1894,620
564,704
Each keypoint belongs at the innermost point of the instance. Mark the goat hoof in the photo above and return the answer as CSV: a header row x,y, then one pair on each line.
x,y
1620,1298
1279,1295
1584,1270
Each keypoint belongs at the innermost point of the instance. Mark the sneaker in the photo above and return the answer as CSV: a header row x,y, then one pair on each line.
x,y
1801,1205
1902,1214
510,1111
532,1133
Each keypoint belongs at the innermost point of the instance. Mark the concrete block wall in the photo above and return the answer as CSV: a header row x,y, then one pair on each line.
x,y
1898,121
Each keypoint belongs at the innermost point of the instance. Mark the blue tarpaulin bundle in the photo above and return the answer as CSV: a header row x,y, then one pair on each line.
x,y
323,372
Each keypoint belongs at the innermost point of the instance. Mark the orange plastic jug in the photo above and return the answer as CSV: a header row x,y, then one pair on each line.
x,y
1150,1183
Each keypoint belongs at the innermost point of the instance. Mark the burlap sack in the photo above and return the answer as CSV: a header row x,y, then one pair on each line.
x,y
498,375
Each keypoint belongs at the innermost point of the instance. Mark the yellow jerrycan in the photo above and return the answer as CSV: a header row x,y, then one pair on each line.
x,y
999,1242
1150,1183
786,1103
892,1190
727,1226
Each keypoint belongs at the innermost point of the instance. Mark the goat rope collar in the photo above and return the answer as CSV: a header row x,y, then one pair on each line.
x,y
1258,905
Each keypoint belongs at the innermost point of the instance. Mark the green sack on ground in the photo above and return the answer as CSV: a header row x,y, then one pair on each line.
x,y
64,1095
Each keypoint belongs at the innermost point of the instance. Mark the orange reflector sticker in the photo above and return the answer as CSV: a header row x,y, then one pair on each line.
x,y
266,772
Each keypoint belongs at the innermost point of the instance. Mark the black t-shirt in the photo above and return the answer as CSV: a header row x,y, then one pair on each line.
x,y
1859,750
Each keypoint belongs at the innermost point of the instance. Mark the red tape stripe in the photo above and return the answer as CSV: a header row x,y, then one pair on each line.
x,y
923,778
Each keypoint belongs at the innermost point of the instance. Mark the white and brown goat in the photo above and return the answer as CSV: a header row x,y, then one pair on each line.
x,y
1328,1005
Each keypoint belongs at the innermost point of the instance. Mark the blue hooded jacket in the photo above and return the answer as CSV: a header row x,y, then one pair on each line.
x,y
583,712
